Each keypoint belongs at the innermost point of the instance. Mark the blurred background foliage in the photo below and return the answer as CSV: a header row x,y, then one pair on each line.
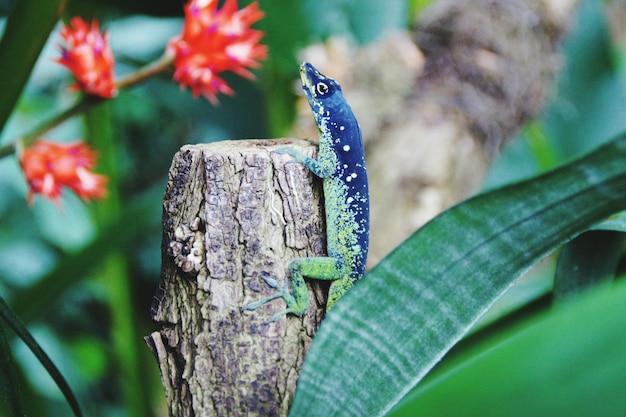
x,y
83,276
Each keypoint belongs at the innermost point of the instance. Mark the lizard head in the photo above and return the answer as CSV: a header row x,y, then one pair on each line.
x,y
319,89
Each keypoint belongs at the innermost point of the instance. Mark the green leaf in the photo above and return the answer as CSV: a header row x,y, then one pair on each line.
x,y
615,223
568,362
540,146
285,33
23,333
588,260
117,235
114,270
9,386
395,325
363,20
25,34
415,7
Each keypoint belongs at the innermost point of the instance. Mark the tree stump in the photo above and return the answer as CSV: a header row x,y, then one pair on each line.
x,y
234,212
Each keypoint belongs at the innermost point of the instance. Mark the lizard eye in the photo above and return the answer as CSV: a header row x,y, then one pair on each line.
x,y
322,88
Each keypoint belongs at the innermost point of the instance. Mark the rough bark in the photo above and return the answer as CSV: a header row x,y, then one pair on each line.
x,y
233,213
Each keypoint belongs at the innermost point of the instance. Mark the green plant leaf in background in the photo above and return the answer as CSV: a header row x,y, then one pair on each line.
x,y
415,8
363,20
25,34
396,324
116,235
616,223
284,36
586,261
9,387
11,319
114,271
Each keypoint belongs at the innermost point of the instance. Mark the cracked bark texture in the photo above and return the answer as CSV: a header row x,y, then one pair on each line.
x,y
232,213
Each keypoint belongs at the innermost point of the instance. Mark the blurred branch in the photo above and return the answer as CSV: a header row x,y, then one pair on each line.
x,y
491,61
145,72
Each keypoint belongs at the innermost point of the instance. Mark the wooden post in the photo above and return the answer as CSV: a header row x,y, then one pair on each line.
x,y
232,213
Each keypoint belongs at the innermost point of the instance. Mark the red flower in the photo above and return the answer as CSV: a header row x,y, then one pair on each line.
x,y
88,55
48,166
214,41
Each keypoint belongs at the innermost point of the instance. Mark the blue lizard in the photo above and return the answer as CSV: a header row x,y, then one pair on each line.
x,y
341,165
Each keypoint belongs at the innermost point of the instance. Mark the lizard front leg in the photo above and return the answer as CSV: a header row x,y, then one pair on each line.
x,y
322,268
323,167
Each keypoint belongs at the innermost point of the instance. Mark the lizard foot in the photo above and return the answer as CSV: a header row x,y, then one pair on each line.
x,y
283,293
282,150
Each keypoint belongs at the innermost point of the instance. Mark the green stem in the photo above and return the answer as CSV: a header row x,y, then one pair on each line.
x,y
86,103
127,341
8,149
147,71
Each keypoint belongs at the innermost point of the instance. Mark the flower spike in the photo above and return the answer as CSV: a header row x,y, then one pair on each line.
x,y
88,56
214,41
49,166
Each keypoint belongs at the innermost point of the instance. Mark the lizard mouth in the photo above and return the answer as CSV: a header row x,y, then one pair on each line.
x,y
306,76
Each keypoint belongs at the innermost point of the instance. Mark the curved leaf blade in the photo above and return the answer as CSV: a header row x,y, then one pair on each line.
x,y
568,362
615,223
9,387
40,354
391,328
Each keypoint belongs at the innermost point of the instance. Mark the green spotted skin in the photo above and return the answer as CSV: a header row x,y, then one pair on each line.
x,y
341,165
